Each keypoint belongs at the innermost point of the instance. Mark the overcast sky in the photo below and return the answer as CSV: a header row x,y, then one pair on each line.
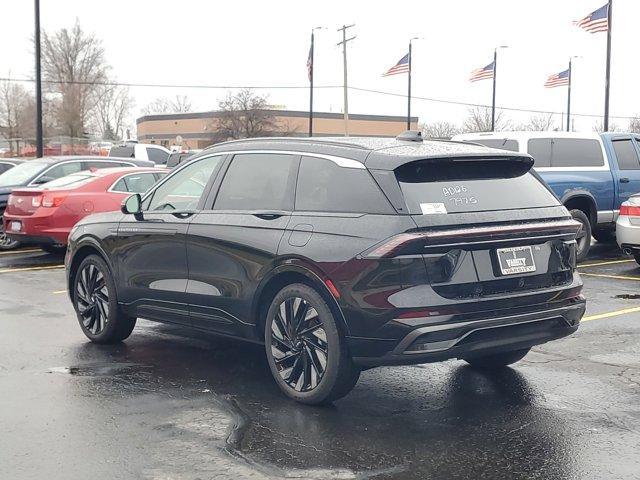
x,y
266,43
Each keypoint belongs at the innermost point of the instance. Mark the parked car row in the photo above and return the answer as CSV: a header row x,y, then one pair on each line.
x,y
38,172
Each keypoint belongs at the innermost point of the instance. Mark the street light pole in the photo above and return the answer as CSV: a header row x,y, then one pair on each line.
x,y
608,70
39,140
409,86
344,66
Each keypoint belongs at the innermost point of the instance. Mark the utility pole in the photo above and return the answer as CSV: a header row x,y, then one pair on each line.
x,y
608,74
39,141
344,66
310,69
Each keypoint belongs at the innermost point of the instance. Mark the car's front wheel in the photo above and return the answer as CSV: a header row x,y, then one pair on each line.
x,y
497,360
96,305
307,354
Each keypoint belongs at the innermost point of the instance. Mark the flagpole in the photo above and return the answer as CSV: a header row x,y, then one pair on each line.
x,y
569,98
493,101
311,85
409,92
608,74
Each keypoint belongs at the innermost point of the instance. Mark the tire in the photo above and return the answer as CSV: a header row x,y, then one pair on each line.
x,y
497,360
636,257
55,249
584,234
96,304
604,236
296,355
5,242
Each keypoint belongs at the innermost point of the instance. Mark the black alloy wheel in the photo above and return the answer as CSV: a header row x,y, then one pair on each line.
x,y
299,344
94,299
307,354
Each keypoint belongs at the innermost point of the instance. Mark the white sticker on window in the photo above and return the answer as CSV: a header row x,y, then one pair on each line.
x,y
432,208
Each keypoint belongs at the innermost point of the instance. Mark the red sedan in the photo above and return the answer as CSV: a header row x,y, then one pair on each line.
x,y
44,216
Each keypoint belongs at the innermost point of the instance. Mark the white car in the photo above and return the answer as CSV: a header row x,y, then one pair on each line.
x,y
628,227
141,151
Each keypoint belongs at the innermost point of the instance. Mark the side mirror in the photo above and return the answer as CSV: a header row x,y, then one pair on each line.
x,y
132,205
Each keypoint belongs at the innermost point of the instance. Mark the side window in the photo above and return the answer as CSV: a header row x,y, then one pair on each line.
x,y
258,181
501,143
576,152
120,186
626,154
63,170
324,186
540,150
183,190
137,183
157,156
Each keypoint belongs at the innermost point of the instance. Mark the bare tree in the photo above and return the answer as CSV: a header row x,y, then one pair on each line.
x,y
245,115
111,112
539,123
444,130
17,118
599,127
479,120
178,104
73,63
634,125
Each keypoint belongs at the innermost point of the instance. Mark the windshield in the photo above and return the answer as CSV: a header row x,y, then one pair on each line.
x,y
21,174
70,181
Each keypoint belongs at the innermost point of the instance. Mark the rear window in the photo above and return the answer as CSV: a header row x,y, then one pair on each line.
x,y
565,152
501,143
324,186
70,181
440,187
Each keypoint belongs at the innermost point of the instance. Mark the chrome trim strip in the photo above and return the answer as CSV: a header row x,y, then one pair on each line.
x,y
340,161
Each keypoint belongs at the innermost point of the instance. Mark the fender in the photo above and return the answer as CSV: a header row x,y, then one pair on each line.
x,y
87,241
581,193
302,267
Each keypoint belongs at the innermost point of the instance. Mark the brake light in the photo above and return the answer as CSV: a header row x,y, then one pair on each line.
x,y
391,245
53,200
629,210
36,201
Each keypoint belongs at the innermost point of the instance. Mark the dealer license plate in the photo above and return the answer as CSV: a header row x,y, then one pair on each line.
x,y
515,260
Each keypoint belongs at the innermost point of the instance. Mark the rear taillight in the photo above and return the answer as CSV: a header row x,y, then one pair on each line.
x,y
53,199
391,245
36,201
629,210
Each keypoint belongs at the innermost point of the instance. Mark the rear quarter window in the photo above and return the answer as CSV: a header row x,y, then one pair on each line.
x,y
324,186
576,152
470,186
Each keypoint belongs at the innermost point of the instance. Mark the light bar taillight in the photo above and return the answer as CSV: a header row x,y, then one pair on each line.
x,y
629,210
51,200
391,245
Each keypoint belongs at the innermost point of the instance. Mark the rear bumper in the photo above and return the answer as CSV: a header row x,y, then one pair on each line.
x,y
627,234
36,230
437,339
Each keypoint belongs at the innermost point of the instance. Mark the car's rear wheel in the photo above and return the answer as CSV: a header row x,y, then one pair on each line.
x,y
583,238
497,360
307,354
96,305
5,242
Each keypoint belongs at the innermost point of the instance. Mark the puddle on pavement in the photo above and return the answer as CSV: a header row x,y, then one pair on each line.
x,y
98,369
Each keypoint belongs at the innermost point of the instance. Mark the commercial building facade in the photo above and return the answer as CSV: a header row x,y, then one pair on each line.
x,y
198,130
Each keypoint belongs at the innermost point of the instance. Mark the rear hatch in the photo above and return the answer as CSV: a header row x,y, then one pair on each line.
x,y
485,226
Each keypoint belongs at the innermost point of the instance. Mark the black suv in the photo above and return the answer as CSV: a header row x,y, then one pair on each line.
x,y
338,254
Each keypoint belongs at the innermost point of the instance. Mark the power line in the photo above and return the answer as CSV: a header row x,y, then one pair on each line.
x,y
299,87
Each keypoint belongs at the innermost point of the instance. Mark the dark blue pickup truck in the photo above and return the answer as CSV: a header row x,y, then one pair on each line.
x,y
591,173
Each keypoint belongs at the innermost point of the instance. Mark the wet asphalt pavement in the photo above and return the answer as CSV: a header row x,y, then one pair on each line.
x,y
172,404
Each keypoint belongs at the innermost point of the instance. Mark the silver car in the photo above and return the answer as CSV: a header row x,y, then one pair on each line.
x,y
628,227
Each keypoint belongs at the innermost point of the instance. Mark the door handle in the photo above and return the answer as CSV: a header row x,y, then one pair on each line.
x,y
624,180
269,214
184,214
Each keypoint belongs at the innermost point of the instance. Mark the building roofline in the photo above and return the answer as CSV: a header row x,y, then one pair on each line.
x,y
279,113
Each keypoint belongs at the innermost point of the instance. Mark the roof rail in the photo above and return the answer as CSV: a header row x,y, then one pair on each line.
x,y
337,143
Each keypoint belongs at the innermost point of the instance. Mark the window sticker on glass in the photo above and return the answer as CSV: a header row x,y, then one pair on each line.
x,y
432,208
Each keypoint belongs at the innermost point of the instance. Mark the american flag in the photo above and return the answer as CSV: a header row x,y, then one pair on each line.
x,y
401,67
596,21
558,79
310,64
482,73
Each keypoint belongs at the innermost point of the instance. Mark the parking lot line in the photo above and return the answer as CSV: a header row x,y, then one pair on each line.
x,y
615,313
610,262
615,277
17,252
58,292
26,269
